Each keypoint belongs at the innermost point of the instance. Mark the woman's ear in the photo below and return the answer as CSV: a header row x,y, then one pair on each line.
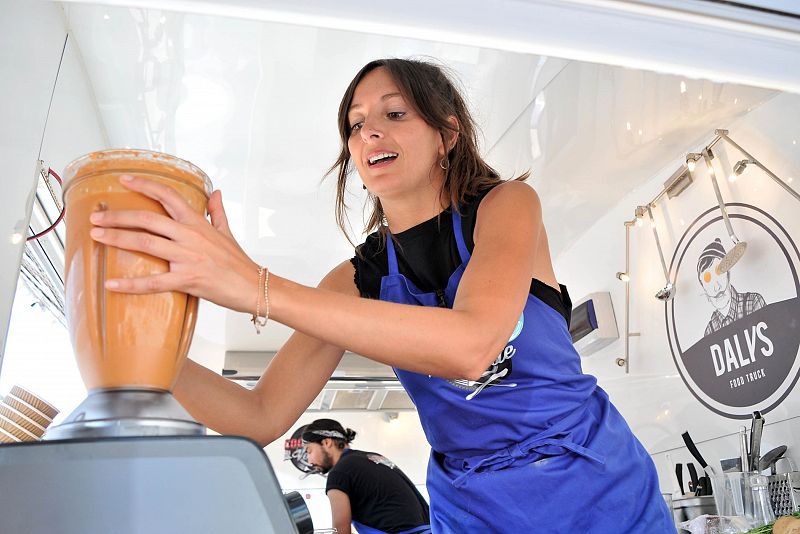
x,y
449,137
452,135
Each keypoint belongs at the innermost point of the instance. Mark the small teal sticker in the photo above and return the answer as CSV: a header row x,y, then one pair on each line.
x,y
518,328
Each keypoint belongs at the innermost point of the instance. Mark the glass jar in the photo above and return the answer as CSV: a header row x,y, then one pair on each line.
x,y
122,340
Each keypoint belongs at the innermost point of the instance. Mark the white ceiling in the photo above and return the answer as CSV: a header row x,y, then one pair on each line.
x,y
253,103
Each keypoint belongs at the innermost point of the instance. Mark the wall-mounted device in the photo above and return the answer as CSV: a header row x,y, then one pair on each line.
x,y
593,325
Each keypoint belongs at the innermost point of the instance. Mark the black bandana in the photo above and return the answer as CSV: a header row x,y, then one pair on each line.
x,y
324,429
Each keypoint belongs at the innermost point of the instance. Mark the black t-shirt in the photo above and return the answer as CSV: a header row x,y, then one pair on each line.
x,y
427,254
381,495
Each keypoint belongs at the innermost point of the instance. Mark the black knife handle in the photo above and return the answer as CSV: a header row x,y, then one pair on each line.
x,y
693,476
687,439
679,474
705,486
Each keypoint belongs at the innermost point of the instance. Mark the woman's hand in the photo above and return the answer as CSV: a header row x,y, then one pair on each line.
x,y
204,259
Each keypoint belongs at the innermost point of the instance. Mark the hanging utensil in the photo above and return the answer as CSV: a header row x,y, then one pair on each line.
x,y
735,254
679,474
745,455
768,460
668,291
756,429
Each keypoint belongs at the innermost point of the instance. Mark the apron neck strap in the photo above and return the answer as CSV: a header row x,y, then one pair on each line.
x,y
390,253
462,246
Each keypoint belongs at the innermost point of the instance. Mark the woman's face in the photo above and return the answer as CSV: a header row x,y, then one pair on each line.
x,y
393,148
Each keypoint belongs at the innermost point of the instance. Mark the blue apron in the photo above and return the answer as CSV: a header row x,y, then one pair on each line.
x,y
534,445
364,529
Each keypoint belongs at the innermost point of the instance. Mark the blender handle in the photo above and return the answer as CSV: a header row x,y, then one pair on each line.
x,y
187,331
100,256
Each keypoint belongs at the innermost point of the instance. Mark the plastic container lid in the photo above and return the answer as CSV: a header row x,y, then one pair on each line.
x,y
137,160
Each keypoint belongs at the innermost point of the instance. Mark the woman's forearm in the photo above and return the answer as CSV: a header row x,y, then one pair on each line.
x,y
451,343
222,405
438,341
293,379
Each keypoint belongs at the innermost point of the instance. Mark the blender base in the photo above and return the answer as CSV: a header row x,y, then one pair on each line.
x,y
109,413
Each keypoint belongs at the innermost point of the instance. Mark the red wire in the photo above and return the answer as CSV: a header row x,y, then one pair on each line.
x,y
60,216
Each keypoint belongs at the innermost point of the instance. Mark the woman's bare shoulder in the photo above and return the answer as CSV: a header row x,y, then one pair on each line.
x,y
513,198
511,189
341,279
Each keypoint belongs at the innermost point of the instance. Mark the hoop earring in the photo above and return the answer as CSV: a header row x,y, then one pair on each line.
x,y
444,163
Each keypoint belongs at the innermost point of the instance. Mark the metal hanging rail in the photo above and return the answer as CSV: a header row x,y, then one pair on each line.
x,y
679,181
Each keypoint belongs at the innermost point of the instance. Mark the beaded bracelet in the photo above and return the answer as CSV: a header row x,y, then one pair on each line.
x,y
257,320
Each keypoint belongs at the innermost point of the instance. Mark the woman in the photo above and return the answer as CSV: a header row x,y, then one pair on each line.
x,y
462,301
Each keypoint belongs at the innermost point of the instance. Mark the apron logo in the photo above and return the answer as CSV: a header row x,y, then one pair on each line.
x,y
734,336
501,368
518,328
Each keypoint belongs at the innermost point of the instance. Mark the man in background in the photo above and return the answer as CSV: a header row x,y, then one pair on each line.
x,y
364,488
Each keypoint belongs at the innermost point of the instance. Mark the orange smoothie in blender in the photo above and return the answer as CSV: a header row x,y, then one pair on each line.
x,y
123,340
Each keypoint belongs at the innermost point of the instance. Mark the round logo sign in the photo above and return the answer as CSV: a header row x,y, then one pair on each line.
x,y
294,450
735,335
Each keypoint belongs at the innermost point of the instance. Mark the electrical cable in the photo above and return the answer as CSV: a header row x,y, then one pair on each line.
x,y
51,172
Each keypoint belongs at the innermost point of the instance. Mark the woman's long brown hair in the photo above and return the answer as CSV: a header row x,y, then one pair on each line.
x,y
427,88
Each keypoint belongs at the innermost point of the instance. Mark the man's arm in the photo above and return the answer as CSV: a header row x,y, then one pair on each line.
x,y
340,510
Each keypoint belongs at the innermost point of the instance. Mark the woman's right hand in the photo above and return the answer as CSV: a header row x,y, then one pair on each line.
x,y
204,258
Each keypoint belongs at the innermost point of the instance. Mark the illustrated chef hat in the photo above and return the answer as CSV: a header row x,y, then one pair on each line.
x,y
713,250
328,428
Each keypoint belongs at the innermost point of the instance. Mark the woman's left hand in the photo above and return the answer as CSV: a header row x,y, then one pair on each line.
x,y
204,258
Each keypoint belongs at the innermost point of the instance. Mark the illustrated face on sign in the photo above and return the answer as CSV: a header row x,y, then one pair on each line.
x,y
715,285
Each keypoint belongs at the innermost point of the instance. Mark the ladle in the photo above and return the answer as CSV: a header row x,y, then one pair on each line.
x,y
668,291
768,460
735,254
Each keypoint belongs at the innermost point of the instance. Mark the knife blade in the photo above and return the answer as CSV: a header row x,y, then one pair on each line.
x,y
687,439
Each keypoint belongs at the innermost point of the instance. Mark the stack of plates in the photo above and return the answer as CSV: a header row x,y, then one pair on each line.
x,y
24,416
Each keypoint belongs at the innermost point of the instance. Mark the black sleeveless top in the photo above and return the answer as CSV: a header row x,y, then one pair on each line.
x,y
427,255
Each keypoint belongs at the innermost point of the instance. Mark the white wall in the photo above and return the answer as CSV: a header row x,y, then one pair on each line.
x,y
24,84
401,440
38,354
653,397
